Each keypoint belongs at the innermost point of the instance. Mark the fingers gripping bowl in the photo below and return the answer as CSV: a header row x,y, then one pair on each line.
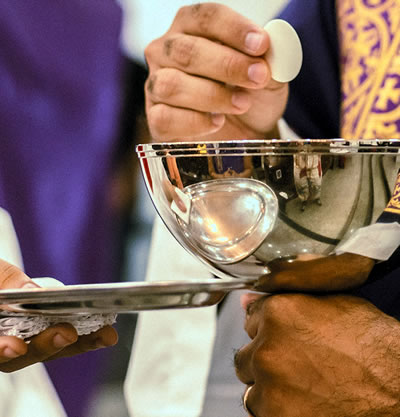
x,y
240,205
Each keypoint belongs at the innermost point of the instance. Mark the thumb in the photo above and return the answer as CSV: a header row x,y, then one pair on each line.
x,y
12,277
319,274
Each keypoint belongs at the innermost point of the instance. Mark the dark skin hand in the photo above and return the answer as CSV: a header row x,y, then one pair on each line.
x,y
325,356
55,342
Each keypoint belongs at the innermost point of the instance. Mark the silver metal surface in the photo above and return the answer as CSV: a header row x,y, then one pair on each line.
x,y
214,227
238,205
118,297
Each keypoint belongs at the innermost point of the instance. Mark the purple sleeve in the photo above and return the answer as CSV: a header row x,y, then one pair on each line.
x,y
383,286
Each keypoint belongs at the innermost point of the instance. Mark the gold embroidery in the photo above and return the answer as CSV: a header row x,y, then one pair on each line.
x,y
394,203
370,68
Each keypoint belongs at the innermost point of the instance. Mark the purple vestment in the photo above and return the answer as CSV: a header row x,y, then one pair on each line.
x,y
60,97
314,112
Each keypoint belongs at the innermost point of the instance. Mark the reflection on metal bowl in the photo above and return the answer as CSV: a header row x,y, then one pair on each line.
x,y
238,205
229,219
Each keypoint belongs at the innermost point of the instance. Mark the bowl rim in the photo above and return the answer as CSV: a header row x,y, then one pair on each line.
x,y
259,147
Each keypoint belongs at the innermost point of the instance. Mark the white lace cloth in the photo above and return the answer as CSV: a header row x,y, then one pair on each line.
x,y
25,326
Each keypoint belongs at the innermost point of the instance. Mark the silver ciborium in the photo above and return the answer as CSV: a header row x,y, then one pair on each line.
x,y
239,205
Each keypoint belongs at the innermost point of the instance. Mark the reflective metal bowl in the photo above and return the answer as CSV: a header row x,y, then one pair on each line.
x,y
238,205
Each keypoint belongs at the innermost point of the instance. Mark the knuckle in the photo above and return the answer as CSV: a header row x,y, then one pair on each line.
x,y
266,358
149,84
159,120
231,66
204,14
279,303
166,84
181,49
181,13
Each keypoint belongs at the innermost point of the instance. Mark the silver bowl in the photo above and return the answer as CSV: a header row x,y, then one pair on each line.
x,y
239,205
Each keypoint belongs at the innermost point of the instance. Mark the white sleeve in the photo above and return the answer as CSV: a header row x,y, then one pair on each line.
x,y
9,246
28,392
144,21
171,355
285,131
377,241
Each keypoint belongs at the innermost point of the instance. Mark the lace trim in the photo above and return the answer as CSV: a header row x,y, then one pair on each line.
x,y
24,327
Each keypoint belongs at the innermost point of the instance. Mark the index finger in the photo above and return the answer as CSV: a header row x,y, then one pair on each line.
x,y
12,277
220,23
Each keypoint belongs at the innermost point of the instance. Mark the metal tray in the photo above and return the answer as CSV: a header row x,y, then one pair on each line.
x,y
118,297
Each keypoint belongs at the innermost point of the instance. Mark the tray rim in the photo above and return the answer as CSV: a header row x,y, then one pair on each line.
x,y
15,299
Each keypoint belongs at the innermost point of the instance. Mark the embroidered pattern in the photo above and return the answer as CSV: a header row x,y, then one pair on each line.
x,y
370,67
394,203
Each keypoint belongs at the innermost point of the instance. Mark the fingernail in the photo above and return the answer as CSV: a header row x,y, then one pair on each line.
x,y
217,119
30,285
59,341
257,73
240,100
253,41
10,353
